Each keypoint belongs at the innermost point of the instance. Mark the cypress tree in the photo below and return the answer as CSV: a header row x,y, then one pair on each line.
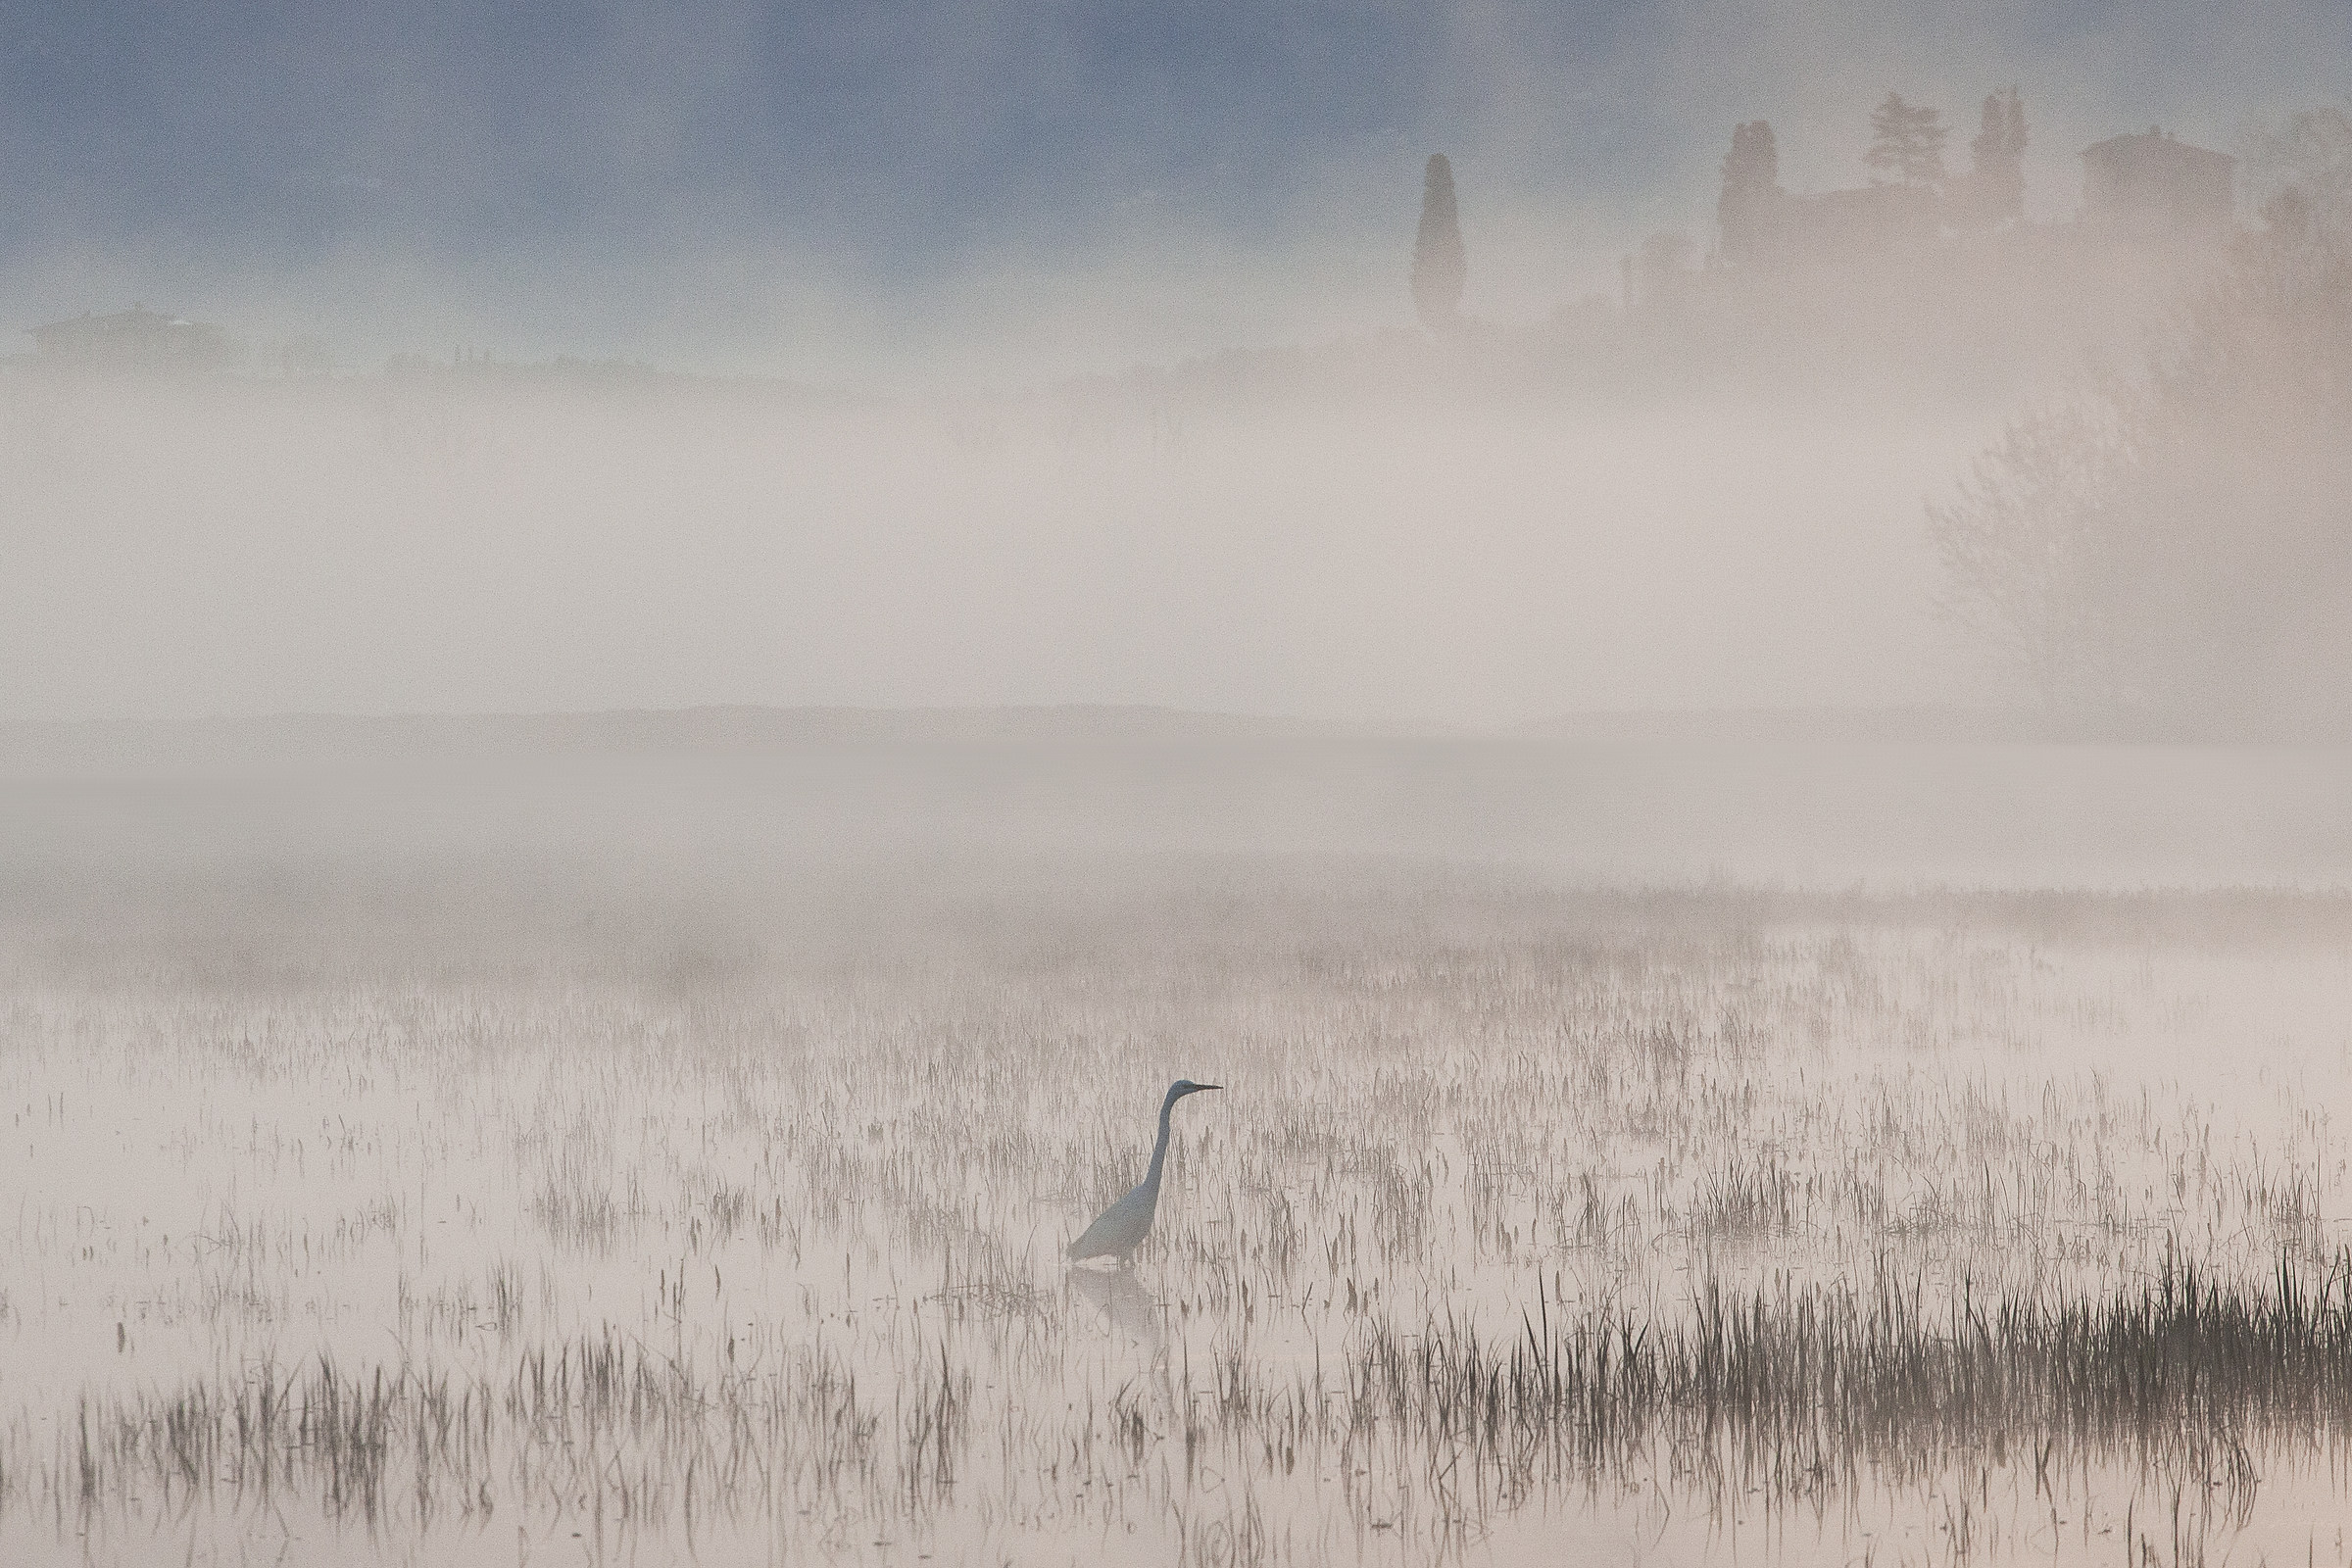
x,y
1751,193
2000,181
1439,265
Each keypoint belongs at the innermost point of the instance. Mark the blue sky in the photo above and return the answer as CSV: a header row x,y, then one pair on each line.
x,y
909,132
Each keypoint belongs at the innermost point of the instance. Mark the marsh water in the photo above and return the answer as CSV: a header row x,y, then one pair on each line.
x,y
657,1167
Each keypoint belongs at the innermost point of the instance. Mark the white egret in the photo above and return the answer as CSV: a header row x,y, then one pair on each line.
x,y
1122,1227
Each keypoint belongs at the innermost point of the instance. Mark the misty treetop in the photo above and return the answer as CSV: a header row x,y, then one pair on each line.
x,y
1906,141
2182,546
1993,191
1751,191
2308,155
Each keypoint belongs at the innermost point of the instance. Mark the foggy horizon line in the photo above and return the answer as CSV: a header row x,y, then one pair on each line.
x,y
1323,721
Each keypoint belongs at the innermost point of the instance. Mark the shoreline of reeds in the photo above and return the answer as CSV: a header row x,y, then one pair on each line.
x,y
1821,1377
1798,1388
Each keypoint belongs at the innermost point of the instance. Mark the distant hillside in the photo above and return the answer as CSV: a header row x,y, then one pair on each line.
x,y
1793,725
1863,726
312,739
1980,321
30,749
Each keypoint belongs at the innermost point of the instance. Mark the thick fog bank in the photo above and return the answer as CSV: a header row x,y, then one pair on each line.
x,y
392,547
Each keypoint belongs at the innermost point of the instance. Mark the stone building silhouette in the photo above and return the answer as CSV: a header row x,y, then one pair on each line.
x,y
136,339
2152,183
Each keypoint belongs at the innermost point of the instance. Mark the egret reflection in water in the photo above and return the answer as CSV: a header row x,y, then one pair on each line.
x,y
1122,1306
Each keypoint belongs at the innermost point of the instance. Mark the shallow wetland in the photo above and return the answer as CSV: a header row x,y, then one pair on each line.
x,y
580,1216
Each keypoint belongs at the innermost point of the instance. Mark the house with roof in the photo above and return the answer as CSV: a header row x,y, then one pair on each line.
x,y
136,339
2151,184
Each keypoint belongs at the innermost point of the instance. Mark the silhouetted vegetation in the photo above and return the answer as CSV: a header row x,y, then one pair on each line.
x,y
2183,544
1996,185
1906,141
1440,268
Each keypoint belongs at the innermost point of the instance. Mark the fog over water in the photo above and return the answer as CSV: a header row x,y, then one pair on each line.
x,y
524,552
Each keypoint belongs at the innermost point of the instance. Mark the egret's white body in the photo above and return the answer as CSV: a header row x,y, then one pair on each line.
x,y
1122,1227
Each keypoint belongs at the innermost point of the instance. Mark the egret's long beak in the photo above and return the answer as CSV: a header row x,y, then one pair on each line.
x,y
1198,1086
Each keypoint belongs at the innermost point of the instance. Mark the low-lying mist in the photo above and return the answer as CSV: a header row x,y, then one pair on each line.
x,y
1710,498
486,548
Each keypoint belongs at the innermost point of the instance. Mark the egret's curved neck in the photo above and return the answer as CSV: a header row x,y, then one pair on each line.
x,y
1159,1151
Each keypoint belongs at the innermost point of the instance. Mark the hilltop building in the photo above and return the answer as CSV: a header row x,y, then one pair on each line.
x,y
1864,221
2151,182
1759,222
136,339
2146,186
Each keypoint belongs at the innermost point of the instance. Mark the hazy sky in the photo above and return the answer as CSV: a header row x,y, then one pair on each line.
x,y
804,186
962,196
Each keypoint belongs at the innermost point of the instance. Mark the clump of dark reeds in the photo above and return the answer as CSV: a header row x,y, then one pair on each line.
x,y
407,1442
1810,1381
